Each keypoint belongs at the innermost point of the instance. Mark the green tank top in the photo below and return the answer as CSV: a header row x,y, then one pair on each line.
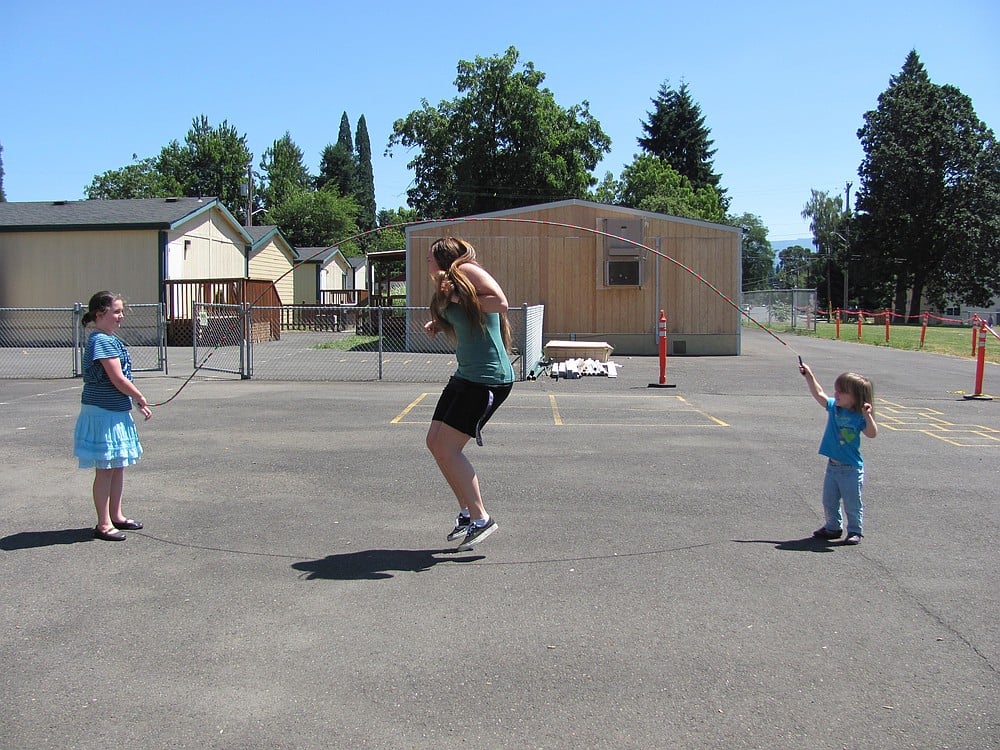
x,y
480,354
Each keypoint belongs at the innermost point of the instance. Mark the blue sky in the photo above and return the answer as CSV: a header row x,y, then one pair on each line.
x,y
783,85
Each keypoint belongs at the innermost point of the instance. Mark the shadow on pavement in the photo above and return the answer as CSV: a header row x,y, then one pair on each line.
x,y
32,539
809,544
374,564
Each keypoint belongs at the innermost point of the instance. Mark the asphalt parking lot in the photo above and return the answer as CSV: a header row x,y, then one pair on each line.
x,y
653,582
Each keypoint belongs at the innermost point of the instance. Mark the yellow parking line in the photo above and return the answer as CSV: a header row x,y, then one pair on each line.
x,y
555,410
409,408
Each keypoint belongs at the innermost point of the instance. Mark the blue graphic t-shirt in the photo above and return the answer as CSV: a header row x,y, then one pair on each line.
x,y
842,437
97,389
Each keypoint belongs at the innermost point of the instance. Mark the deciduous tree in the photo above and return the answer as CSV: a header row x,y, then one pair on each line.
x,y
503,143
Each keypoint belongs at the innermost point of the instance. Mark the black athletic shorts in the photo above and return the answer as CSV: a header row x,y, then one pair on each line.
x,y
467,406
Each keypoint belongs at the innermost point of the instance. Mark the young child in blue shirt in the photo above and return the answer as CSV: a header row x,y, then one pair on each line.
x,y
849,416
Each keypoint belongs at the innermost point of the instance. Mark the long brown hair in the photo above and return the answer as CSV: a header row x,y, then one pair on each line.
x,y
451,253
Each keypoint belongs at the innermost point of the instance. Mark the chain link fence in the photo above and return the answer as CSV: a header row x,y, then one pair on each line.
x,y
791,308
332,343
342,343
47,342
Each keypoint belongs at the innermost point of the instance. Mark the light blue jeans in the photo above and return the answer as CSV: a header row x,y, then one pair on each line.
x,y
843,482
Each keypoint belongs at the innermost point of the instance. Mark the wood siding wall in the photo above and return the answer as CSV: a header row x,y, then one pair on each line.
x,y
214,250
561,265
270,262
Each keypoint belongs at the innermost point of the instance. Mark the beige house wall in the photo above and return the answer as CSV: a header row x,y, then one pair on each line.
x,y
58,268
271,262
333,272
561,265
206,248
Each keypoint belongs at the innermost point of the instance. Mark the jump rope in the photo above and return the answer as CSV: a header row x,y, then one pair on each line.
x,y
511,220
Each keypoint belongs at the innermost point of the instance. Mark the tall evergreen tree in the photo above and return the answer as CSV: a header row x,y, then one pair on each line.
x,y
285,171
676,133
928,208
365,177
3,195
337,162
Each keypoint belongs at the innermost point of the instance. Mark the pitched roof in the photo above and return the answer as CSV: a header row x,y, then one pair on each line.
x,y
317,254
534,208
138,213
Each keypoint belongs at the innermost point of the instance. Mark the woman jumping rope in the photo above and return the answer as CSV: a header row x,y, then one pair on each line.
x,y
470,307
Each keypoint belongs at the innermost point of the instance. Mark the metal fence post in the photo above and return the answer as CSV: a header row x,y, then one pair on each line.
x,y
161,335
380,347
77,346
246,343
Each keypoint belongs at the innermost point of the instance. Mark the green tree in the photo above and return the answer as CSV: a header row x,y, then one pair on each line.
x,y
337,164
928,207
503,143
3,195
826,222
365,176
758,255
213,161
318,218
285,172
393,235
140,179
797,268
676,133
649,183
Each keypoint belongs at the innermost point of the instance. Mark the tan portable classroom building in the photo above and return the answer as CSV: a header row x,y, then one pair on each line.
x,y
55,253
592,268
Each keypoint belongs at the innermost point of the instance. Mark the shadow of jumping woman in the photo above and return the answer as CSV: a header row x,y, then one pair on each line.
x,y
375,564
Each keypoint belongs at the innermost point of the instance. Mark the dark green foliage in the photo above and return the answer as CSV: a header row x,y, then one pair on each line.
x,y
282,165
676,133
928,207
365,180
504,143
337,164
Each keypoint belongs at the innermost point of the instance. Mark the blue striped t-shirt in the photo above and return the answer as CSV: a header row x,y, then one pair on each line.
x,y
97,389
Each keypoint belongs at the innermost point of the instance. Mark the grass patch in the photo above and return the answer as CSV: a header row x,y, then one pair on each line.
x,y
363,343
953,340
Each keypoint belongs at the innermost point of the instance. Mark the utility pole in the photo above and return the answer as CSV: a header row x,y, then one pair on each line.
x,y
249,192
847,238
